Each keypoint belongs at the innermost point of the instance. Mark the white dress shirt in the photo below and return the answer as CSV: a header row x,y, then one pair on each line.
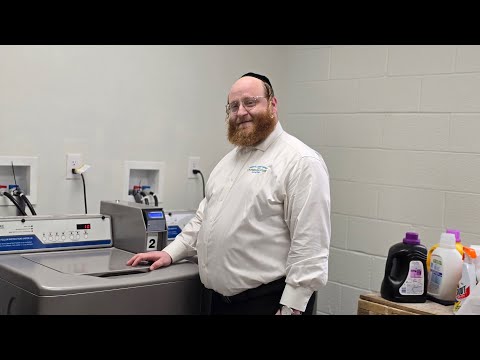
x,y
266,215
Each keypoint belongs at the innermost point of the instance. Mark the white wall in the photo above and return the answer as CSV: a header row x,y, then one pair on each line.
x,y
118,103
399,129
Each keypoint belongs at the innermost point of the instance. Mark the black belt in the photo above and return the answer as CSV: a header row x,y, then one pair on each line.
x,y
262,290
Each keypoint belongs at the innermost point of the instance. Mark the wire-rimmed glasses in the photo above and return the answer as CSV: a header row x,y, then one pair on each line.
x,y
248,102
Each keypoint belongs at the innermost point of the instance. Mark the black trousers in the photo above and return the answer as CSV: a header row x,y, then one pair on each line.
x,y
263,300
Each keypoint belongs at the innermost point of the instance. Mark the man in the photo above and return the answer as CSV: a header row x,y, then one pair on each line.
x,y
262,233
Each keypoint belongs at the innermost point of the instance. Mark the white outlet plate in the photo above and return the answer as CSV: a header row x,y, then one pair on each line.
x,y
72,161
193,163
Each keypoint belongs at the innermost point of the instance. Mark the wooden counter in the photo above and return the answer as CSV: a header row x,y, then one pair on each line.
x,y
374,304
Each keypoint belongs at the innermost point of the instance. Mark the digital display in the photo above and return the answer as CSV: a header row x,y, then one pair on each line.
x,y
155,215
83,227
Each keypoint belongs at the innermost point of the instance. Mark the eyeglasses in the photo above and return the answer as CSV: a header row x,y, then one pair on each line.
x,y
248,103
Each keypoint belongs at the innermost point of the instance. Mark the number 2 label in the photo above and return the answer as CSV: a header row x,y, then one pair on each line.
x,y
152,241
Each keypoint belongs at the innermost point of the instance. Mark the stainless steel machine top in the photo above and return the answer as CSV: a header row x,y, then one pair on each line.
x,y
102,263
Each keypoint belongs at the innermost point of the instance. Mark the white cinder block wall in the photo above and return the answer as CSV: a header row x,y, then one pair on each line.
x,y
399,129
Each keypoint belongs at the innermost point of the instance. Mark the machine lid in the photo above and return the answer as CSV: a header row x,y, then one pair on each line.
x,y
94,262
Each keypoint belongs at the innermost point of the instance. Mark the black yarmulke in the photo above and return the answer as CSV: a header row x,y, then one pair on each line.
x,y
260,77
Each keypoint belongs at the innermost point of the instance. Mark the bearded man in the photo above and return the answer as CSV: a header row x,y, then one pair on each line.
x,y
262,232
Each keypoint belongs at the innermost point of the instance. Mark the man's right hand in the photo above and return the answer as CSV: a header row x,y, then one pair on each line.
x,y
159,258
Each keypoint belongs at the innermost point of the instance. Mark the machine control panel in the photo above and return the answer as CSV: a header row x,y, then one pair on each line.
x,y
30,233
154,220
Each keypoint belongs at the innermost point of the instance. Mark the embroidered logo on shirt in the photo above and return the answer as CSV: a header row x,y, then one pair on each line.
x,y
257,169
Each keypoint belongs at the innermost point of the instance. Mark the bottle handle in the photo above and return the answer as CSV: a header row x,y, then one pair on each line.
x,y
389,265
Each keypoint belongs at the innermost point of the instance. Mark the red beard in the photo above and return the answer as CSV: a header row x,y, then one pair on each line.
x,y
263,125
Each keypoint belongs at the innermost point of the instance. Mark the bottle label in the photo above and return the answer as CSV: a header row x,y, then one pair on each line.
x,y
436,275
463,291
414,283
465,286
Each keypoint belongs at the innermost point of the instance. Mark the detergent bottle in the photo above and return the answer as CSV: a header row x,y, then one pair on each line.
x,y
405,278
458,245
445,271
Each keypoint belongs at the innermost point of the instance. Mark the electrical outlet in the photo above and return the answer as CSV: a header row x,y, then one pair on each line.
x,y
72,161
193,163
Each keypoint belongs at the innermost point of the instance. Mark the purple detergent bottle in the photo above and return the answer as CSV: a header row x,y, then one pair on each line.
x,y
406,277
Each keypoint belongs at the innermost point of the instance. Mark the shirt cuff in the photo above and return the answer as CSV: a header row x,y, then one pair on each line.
x,y
296,297
176,250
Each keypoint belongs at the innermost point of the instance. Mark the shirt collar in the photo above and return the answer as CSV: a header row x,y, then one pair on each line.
x,y
263,146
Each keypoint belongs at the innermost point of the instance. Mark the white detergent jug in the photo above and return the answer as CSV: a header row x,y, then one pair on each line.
x,y
445,271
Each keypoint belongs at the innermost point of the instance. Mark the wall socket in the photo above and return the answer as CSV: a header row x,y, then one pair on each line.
x,y
193,163
72,161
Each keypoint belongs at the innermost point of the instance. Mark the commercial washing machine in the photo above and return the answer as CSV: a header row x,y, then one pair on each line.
x,y
71,265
